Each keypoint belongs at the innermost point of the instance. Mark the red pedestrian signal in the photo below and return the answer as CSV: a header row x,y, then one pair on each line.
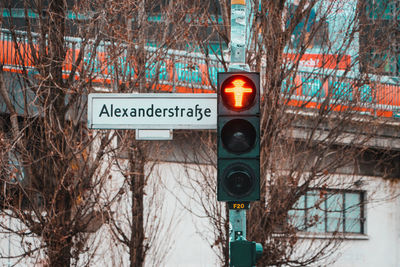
x,y
238,92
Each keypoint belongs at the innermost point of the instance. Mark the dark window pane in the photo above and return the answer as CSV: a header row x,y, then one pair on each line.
x,y
380,37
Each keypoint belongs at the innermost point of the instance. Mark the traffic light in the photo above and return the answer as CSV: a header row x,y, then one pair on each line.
x,y
238,136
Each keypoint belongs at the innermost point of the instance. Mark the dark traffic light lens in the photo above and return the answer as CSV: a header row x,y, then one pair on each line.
x,y
238,136
238,92
239,180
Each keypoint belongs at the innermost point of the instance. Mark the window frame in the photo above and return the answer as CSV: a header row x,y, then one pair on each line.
x,y
306,227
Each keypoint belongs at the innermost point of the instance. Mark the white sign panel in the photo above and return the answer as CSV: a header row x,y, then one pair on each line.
x,y
152,111
155,134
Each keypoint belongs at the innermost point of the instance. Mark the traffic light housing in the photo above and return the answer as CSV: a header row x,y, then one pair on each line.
x,y
244,253
238,129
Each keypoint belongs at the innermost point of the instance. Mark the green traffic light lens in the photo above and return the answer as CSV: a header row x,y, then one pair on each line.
x,y
239,180
238,136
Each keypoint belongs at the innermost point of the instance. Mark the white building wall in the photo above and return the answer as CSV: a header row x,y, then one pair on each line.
x,y
190,249
181,235
379,247
381,244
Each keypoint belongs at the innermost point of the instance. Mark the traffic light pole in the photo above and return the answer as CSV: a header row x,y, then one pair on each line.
x,y
237,220
239,32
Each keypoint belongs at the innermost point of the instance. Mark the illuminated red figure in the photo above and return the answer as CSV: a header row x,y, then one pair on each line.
x,y
238,91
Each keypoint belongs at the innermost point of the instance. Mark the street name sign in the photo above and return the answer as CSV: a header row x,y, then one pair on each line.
x,y
152,111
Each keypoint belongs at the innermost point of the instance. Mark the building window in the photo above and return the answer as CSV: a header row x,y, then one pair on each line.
x,y
311,31
328,211
380,37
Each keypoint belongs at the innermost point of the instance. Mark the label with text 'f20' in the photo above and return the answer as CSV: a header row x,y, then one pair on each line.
x,y
152,111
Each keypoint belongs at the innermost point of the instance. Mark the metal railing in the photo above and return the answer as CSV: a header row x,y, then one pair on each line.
x,y
178,69
181,71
